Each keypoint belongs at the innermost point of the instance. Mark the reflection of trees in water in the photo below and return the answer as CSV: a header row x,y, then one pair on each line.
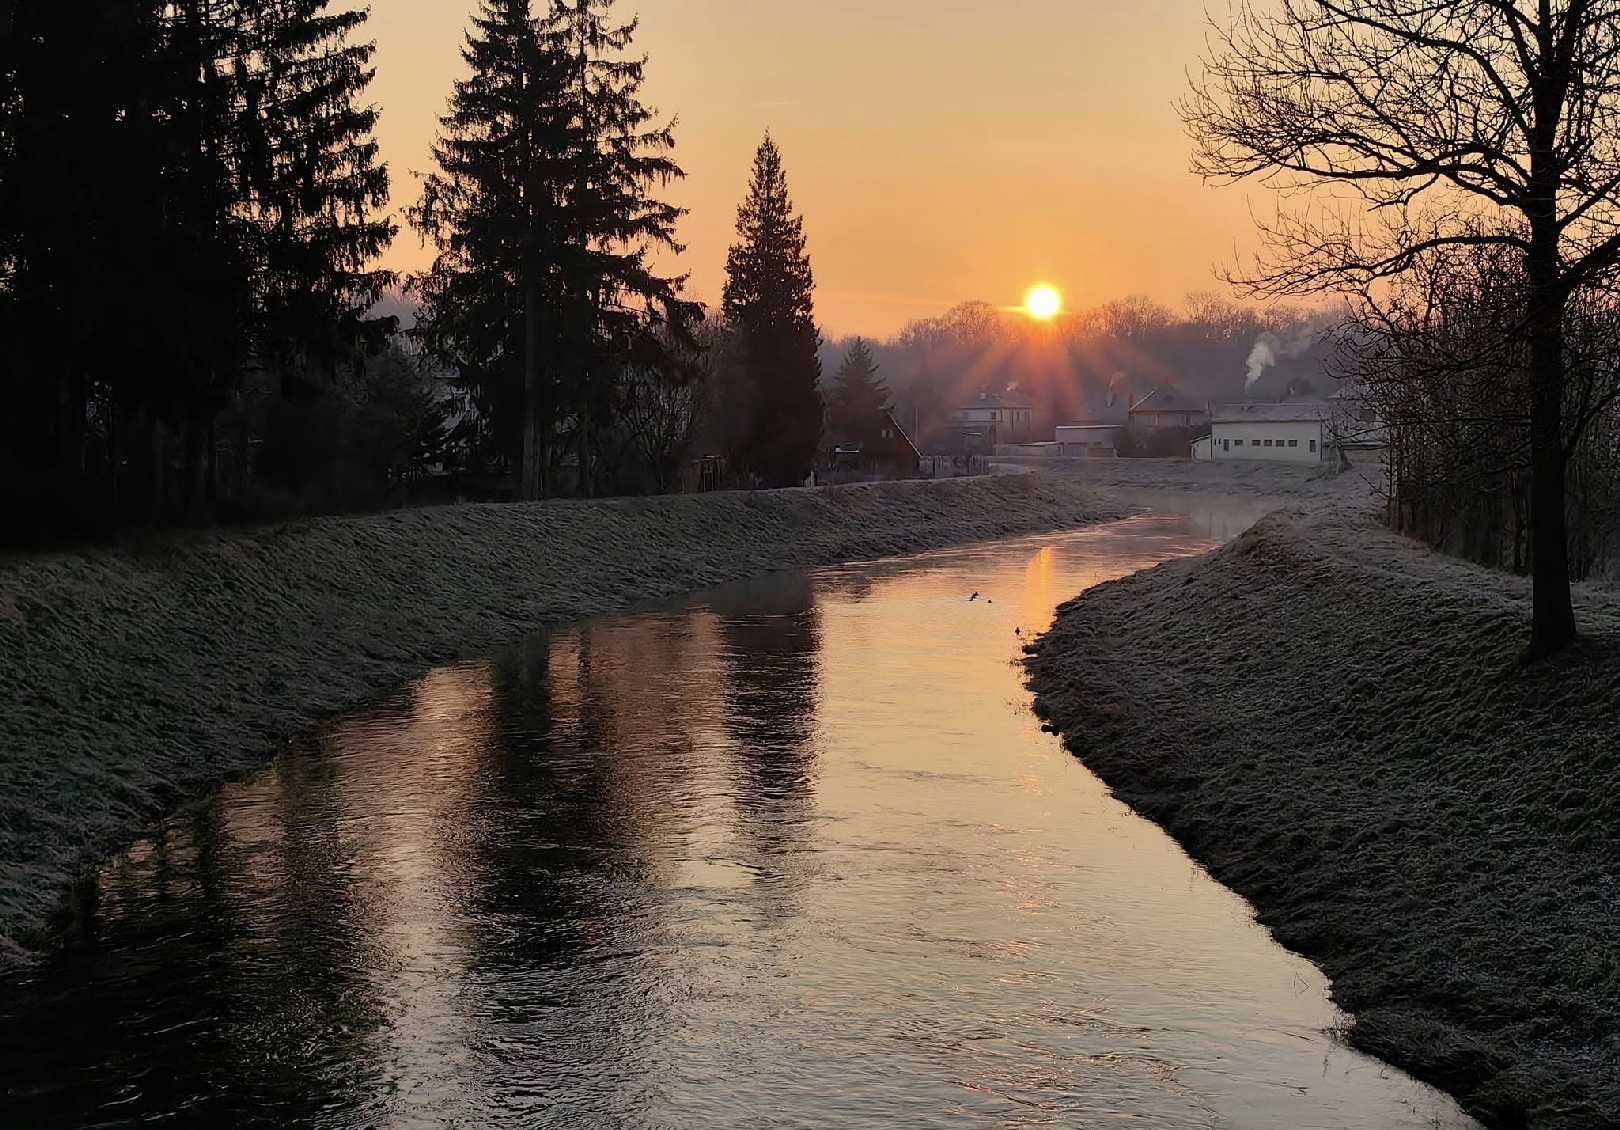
x,y
771,635
467,876
563,887
217,970
540,858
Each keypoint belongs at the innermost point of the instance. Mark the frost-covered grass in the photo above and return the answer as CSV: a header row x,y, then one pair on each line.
x,y
132,679
1335,721
1228,477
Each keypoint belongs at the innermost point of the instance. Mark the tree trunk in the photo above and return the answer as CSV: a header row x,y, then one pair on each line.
x,y
583,442
1553,614
72,431
529,470
159,485
196,484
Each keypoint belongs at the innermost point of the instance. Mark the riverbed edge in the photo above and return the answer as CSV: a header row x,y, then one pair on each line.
x,y
1333,720
138,678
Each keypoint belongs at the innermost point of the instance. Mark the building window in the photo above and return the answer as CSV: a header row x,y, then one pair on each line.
x,y
1238,442
1226,444
1293,443
1313,445
1268,443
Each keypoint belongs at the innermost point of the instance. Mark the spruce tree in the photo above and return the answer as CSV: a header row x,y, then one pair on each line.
x,y
97,303
274,197
548,163
613,304
50,95
769,298
860,398
314,183
491,211
189,189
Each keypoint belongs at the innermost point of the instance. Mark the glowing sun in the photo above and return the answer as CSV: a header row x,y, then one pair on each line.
x,y
1043,302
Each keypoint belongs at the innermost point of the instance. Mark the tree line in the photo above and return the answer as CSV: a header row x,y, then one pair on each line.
x,y
192,212
188,191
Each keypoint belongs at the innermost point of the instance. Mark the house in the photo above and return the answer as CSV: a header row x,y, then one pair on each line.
x,y
1166,407
1295,431
884,452
1354,424
1088,441
999,419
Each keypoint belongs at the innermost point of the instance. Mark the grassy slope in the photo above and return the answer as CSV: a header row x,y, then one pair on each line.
x,y
134,679
1334,721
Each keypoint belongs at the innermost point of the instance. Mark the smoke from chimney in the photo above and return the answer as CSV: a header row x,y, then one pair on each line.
x,y
1270,348
1117,389
1262,357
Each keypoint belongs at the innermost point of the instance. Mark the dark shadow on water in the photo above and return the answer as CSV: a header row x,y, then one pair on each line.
x,y
210,909
771,640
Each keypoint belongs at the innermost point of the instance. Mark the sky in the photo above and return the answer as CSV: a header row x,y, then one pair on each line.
x,y
940,150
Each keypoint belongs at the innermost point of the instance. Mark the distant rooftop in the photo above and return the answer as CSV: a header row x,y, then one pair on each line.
x,y
992,400
1289,411
1167,399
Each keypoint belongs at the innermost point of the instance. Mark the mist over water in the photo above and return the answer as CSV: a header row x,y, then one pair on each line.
x,y
791,853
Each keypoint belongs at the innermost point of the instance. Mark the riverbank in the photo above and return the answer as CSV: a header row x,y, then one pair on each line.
x,y
134,679
1234,478
1335,722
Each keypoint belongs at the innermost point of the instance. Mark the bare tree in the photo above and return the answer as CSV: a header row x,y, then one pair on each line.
x,y
664,394
1429,360
1435,126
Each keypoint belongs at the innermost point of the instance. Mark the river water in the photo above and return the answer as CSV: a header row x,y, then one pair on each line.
x,y
793,853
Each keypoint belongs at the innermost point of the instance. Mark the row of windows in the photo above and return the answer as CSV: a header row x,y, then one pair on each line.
x,y
1228,444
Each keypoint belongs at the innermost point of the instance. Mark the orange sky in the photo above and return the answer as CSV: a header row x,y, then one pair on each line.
x,y
940,150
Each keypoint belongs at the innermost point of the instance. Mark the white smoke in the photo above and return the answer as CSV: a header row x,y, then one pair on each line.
x,y
1262,357
1270,348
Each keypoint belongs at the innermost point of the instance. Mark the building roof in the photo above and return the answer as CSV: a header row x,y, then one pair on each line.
x,y
1090,427
1167,399
992,400
1288,412
901,433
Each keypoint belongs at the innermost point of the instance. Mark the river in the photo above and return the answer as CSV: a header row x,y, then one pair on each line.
x,y
791,853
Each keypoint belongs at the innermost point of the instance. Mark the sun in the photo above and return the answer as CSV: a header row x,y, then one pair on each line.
x,y
1043,302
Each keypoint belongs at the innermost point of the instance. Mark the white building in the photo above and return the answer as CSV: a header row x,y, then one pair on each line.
x,y
1088,441
1296,431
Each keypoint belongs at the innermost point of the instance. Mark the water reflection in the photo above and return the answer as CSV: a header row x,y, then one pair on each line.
x,y
790,853
770,638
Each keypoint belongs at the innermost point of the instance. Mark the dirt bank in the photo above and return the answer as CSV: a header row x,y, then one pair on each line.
x,y
134,679
1334,721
